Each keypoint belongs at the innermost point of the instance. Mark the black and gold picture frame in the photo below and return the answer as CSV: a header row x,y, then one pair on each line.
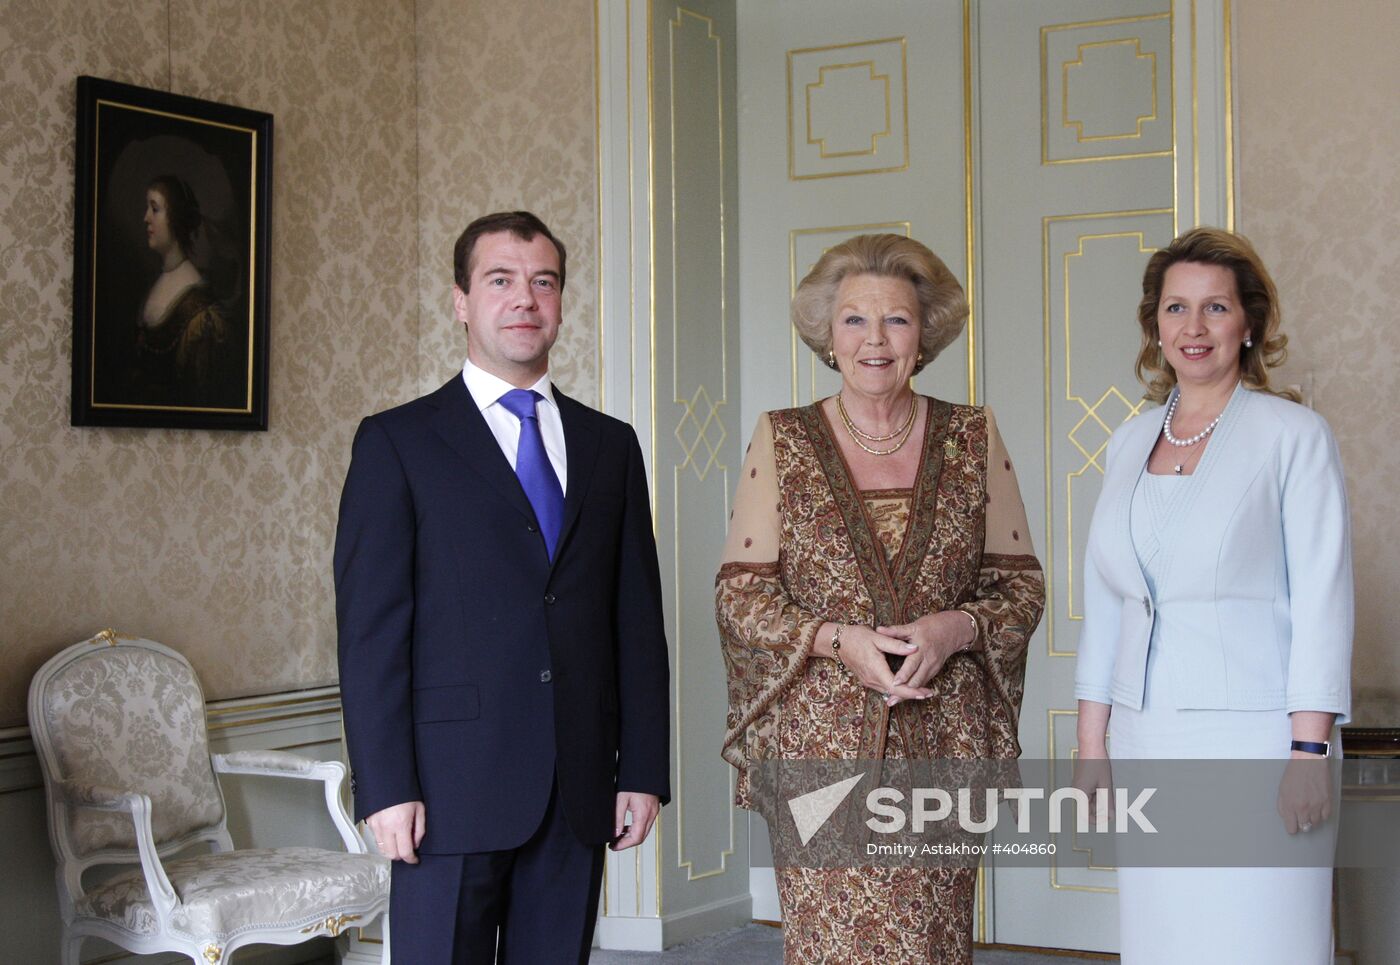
x,y
170,263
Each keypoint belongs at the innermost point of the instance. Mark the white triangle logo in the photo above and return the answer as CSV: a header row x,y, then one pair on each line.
x,y
810,810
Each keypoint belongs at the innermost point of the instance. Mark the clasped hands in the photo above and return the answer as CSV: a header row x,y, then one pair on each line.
x,y
925,644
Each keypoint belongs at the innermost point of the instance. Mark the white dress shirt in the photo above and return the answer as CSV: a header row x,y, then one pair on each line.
x,y
486,391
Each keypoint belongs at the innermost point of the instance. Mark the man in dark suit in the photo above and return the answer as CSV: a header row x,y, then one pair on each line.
x,y
503,662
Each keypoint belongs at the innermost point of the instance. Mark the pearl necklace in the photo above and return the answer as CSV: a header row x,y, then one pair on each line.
x,y
1167,426
1185,443
856,434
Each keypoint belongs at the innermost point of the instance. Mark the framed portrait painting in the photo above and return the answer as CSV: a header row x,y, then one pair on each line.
x,y
170,264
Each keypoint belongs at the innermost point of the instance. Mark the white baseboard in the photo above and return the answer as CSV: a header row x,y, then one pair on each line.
x,y
657,934
707,919
628,934
763,885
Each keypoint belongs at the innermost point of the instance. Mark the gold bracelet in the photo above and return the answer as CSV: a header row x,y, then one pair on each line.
x,y
976,631
836,642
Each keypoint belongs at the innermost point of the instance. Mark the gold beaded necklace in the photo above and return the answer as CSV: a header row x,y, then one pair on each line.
x,y
903,432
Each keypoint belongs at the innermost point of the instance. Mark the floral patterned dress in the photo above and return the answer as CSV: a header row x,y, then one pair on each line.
x,y
805,547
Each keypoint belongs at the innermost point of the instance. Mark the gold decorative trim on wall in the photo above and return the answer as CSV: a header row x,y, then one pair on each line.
x,y
1078,125
887,57
969,226
1052,716
1228,58
699,413
1090,415
1066,143
820,83
1091,412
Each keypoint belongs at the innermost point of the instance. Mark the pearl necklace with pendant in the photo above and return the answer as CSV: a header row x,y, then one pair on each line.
x,y
1185,443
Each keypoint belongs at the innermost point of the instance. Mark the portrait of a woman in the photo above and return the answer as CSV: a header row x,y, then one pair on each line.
x,y
1218,601
878,589
184,350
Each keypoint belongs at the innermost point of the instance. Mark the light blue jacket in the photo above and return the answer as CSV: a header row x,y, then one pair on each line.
x,y
1255,599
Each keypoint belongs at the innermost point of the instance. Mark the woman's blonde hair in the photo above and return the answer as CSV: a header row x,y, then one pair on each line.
x,y
1258,298
942,305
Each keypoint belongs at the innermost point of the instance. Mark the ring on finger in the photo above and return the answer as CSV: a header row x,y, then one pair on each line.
x,y
1305,826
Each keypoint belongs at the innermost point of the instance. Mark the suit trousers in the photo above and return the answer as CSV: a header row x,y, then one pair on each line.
x,y
531,905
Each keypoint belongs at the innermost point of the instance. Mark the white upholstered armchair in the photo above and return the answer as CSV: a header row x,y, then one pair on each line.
x,y
119,728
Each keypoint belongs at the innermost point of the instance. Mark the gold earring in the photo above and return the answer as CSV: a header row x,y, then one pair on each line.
x,y
919,359
830,360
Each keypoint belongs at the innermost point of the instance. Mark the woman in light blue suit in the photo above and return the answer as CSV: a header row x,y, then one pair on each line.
x,y
1218,599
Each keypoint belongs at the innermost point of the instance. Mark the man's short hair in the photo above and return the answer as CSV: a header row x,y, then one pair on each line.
x,y
522,224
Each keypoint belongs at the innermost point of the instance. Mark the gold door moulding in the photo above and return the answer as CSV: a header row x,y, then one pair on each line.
x,y
1078,125
698,435
1091,414
700,413
1157,127
1091,456
820,83
806,164
1052,716
841,233
969,221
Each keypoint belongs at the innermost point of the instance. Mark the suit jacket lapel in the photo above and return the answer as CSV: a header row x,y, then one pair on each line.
x,y
459,423
581,451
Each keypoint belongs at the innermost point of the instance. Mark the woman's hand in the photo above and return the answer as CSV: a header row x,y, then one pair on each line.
x,y
1094,772
1305,793
936,637
863,653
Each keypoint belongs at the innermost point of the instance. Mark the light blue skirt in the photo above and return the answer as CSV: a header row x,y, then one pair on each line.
x,y
1202,916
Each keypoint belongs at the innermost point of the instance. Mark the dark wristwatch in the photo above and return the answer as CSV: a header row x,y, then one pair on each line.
x,y
1320,748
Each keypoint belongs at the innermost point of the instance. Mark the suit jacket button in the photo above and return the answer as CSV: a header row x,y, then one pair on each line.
x,y
545,676
549,599
529,527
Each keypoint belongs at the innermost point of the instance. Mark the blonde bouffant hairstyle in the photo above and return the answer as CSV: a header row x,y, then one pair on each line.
x,y
1258,298
942,305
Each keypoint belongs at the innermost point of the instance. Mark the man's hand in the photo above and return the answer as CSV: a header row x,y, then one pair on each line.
x,y
644,808
398,830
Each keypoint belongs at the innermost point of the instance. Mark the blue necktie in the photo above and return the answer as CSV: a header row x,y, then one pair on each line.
x,y
533,467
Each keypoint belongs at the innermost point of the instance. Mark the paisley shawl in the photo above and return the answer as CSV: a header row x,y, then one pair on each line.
x,y
803,550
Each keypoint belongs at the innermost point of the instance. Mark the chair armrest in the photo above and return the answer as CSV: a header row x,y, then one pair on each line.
x,y
282,764
268,763
102,798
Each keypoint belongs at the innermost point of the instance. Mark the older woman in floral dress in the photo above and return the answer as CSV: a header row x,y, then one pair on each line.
x,y
878,589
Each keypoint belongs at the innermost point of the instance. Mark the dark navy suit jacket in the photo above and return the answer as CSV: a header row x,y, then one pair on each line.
x,y
472,669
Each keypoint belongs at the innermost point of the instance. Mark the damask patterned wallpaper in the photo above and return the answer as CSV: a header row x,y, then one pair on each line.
x,y
396,122
507,121
1318,147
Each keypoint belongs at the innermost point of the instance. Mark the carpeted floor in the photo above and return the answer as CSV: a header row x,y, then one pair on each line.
x,y
763,945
